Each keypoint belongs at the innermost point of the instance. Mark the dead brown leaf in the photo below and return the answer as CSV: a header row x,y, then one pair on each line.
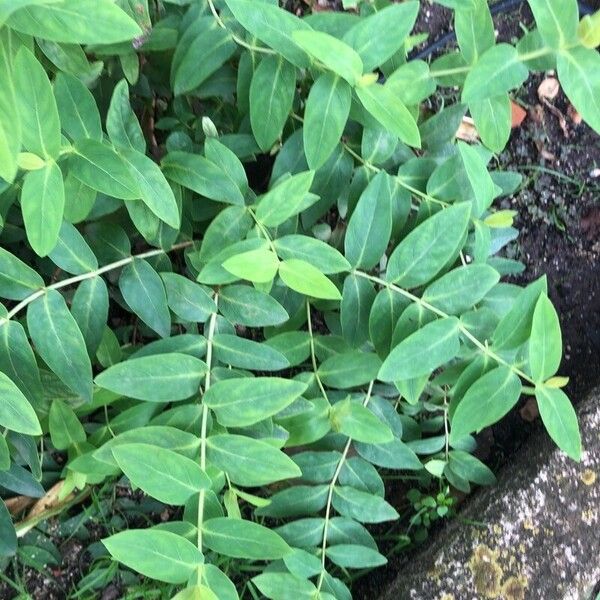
x,y
548,89
467,130
18,504
574,115
530,411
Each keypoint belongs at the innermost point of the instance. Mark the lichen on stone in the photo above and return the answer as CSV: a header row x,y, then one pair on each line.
x,y
486,571
588,477
514,589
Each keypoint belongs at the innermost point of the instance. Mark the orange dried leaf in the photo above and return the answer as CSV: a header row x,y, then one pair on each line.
x,y
518,114
467,130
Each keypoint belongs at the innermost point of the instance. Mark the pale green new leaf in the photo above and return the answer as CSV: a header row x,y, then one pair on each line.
x,y
474,30
556,20
325,116
307,279
157,378
545,343
16,413
560,420
423,351
160,555
42,205
259,266
493,119
242,402
271,96
60,343
161,473
65,428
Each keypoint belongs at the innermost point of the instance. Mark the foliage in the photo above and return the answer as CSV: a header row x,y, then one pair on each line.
x,y
259,351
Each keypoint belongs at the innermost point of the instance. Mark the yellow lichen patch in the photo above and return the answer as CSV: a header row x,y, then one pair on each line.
x,y
528,524
486,572
588,477
447,597
514,589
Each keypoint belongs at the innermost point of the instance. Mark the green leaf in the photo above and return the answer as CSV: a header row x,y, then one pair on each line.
x,y
8,536
244,305
515,326
385,107
7,7
493,119
359,423
385,312
370,226
336,55
556,20
357,298
157,554
285,200
462,288
17,280
188,300
202,50
579,74
18,361
325,115
90,311
10,124
362,506
144,293
76,22
425,251
37,107
258,266
71,252
161,436
247,354
102,169
59,342
559,419
423,351
161,473
294,345
231,165
65,428
307,279
16,413
243,539
201,176
79,116
271,97
155,191
469,467
412,82
354,556
474,30
245,401
349,369
486,402
158,378
379,36
121,123
545,343
497,71
42,204
279,586
249,462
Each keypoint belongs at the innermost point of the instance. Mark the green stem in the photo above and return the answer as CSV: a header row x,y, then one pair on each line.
x,y
331,489
262,229
90,275
204,425
313,356
440,313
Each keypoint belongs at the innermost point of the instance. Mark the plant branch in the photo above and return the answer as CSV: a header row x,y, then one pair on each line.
x,y
440,313
313,356
331,489
90,275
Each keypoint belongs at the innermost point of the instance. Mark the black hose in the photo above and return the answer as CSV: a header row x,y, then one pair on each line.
x,y
497,8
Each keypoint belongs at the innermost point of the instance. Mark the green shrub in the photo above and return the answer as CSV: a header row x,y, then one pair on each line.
x,y
256,351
